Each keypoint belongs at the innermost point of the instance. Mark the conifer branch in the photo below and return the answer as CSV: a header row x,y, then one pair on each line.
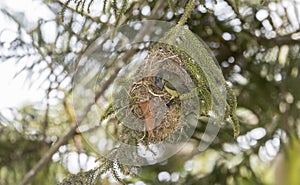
x,y
187,12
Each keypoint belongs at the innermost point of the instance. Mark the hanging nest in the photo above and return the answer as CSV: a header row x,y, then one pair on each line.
x,y
208,94
165,119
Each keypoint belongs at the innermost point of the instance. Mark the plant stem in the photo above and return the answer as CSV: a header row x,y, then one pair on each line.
x,y
187,12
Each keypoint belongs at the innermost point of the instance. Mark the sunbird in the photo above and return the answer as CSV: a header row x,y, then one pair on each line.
x,y
171,83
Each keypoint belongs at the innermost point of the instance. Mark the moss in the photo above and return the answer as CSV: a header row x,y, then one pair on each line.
x,y
214,94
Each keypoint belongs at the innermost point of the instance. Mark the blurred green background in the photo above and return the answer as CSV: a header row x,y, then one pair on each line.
x,y
257,45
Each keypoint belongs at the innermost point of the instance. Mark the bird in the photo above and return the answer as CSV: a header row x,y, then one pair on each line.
x,y
162,81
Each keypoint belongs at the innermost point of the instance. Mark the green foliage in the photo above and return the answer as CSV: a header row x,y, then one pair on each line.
x,y
83,7
204,73
259,60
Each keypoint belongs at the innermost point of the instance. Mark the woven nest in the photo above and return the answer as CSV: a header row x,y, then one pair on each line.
x,y
144,89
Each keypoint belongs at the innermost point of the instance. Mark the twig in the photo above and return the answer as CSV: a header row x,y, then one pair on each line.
x,y
187,12
47,157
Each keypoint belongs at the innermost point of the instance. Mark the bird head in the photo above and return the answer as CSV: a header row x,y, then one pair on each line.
x,y
158,80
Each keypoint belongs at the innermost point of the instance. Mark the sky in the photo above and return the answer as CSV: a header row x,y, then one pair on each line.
x,y
16,92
